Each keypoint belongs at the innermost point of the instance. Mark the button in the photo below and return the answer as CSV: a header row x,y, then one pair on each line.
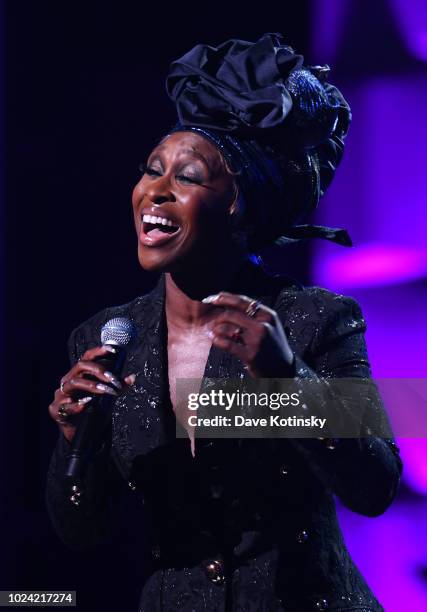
x,y
331,443
302,536
216,491
132,485
284,470
321,604
215,571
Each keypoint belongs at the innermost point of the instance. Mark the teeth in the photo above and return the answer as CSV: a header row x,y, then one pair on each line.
x,y
159,220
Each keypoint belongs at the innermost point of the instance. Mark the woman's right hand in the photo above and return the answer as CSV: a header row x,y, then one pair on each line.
x,y
76,391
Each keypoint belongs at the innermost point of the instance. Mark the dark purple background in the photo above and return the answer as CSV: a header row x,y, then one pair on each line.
x,y
84,102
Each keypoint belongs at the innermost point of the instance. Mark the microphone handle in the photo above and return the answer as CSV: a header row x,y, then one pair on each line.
x,y
91,428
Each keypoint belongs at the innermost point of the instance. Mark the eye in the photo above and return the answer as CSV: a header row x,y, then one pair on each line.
x,y
188,179
152,172
145,169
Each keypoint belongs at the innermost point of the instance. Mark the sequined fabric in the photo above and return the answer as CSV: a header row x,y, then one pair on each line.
x,y
247,525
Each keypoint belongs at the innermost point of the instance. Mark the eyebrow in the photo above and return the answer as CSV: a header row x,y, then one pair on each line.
x,y
191,152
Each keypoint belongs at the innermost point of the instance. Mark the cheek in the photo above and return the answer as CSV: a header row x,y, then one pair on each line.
x,y
137,193
200,216
136,199
215,212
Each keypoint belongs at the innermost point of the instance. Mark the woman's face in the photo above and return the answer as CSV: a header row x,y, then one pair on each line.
x,y
181,204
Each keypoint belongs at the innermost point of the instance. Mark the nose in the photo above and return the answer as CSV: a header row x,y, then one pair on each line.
x,y
159,191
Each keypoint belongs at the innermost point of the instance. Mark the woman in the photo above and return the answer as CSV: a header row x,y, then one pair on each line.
x,y
245,525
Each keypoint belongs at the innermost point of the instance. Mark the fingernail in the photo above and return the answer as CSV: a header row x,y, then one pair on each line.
x,y
106,389
131,378
84,400
113,380
110,348
210,298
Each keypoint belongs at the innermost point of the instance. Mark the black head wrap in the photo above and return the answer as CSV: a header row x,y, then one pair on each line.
x,y
279,125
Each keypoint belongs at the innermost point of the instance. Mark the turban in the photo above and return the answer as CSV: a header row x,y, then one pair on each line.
x,y
279,124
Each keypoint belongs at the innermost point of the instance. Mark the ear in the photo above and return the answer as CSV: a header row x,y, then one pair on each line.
x,y
236,207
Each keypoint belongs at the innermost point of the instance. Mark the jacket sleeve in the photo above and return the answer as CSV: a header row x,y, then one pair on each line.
x,y
82,527
363,471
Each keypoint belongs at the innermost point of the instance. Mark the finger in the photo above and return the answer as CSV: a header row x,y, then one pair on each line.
x,y
239,302
228,330
97,351
235,318
252,331
75,385
77,407
59,399
82,368
71,408
224,343
233,300
92,368
264,315
268,327
130,380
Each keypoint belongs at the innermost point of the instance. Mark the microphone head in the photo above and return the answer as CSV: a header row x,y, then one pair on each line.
x,y
119,331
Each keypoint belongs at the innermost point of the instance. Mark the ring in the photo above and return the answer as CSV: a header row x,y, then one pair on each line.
x,y
253,308
62,385
62,413
236,334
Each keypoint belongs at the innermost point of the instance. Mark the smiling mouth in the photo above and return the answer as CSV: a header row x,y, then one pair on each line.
x,y
157,230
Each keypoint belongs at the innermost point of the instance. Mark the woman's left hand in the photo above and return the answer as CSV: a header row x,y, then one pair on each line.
x,y
253,333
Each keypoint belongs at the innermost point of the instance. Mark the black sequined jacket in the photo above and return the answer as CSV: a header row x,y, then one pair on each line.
x,y
247,525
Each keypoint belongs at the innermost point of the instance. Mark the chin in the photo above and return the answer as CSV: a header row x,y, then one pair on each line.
x,y
165,260
157,261
152,264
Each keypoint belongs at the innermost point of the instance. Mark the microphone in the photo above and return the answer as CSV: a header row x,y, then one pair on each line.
x,y
118,333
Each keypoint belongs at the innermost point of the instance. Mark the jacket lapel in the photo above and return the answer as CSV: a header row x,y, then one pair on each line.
x,y
143,418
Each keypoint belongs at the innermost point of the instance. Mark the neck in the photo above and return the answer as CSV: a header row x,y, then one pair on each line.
x,y
185,288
